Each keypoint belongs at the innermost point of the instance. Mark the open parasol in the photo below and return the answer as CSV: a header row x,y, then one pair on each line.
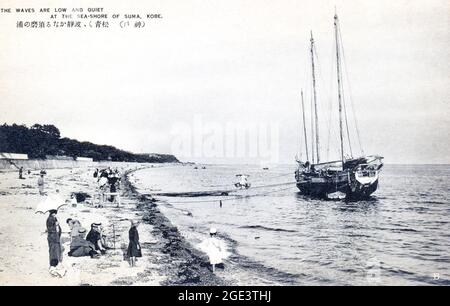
x,y
102,181
52,202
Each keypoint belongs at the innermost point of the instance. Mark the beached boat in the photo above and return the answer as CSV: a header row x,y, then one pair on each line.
x,y
354,178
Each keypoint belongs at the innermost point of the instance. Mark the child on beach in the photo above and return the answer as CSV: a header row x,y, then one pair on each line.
x,y
134,247
214,248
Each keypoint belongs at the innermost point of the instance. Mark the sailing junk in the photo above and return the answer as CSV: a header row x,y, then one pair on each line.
x,y
357,178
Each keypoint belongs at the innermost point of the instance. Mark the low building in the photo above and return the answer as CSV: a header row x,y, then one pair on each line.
x,y
58,157
85,159
13,156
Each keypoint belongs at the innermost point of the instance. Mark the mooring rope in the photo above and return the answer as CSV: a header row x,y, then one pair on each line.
x,y
229,198
206,193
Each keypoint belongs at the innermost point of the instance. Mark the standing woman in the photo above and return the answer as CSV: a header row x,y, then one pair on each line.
x,y
54,243
134,247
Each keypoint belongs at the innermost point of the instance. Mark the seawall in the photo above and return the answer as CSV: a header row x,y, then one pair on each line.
x,y
38,164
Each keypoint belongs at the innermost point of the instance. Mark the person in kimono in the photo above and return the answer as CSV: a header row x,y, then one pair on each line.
x,y
134,247
54,243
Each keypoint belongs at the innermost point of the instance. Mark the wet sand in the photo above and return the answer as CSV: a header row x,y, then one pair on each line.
x,y
167,258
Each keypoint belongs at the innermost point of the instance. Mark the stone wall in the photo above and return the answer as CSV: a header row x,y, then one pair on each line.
x,y
36,164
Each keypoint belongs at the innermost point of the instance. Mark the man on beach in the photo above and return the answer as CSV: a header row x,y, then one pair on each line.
x,y
113,182
40,183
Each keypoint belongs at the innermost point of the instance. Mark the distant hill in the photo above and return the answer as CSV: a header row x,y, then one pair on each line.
x,y
40,140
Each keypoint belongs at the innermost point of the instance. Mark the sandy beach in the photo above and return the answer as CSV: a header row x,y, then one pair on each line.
x,y
167,258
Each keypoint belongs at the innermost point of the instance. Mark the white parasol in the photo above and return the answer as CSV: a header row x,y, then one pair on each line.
x,y
52,202
102,181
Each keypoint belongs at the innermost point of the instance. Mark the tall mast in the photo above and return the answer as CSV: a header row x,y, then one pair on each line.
x,y
315,100
304,128
312,130
339,86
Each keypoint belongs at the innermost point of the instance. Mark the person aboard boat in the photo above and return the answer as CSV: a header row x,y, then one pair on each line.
x,y
306,165
243,182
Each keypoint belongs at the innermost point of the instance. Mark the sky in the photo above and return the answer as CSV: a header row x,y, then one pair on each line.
x,y
220,81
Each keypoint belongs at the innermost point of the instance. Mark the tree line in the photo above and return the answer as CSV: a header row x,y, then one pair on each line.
x,y
38,141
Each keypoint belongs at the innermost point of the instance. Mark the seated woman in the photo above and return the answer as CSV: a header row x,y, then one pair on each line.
x,y
95,236
74,226
81,247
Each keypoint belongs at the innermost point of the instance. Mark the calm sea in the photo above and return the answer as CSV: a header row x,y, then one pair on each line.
x,y
277,236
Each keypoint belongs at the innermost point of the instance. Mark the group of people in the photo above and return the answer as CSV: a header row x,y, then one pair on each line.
x,y
94,244
40,181
108,182
21,172
243,181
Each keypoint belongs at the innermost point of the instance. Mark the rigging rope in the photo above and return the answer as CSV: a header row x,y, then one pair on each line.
x,y
307,91
346,123
350,91
328,98
312,124
344,104
331,102
302,136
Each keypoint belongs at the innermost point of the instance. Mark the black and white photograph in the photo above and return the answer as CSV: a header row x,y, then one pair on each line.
x,y
225,143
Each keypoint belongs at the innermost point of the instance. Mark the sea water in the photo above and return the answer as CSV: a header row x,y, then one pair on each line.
x,y
277,236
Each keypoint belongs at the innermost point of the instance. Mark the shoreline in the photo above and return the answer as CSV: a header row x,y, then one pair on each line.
x,y
189,266
238,269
